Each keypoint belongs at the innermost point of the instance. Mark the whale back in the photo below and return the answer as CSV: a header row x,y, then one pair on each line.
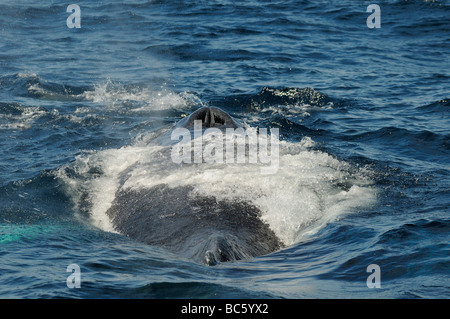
x,y
199,228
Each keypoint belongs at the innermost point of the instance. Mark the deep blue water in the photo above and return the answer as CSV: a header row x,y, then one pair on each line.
x,y
372,104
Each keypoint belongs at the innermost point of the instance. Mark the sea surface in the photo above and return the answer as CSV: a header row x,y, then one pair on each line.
x,y
363,116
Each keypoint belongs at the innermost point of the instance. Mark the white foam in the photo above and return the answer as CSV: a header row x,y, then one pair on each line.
x,y
26,75
101,189
24,120
37,89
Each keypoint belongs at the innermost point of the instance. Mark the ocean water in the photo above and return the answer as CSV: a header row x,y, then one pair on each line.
x,y
363,116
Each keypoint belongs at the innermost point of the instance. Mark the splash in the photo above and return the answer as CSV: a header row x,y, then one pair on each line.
x,y
141,98
310,188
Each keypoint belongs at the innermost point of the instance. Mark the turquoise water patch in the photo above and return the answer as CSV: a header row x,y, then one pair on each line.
x,y
13,233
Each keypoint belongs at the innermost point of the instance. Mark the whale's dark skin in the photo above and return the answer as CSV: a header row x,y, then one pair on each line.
x,y
210,117
200,228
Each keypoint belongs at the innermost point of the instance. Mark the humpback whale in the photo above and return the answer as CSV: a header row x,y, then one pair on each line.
x,y
198,227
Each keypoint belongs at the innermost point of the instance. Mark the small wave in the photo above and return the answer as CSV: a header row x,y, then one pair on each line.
x,y
416,231
189,52
441,106
31,85
411,142
285,102
137,97
17,116
408,250
295,97
418,2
